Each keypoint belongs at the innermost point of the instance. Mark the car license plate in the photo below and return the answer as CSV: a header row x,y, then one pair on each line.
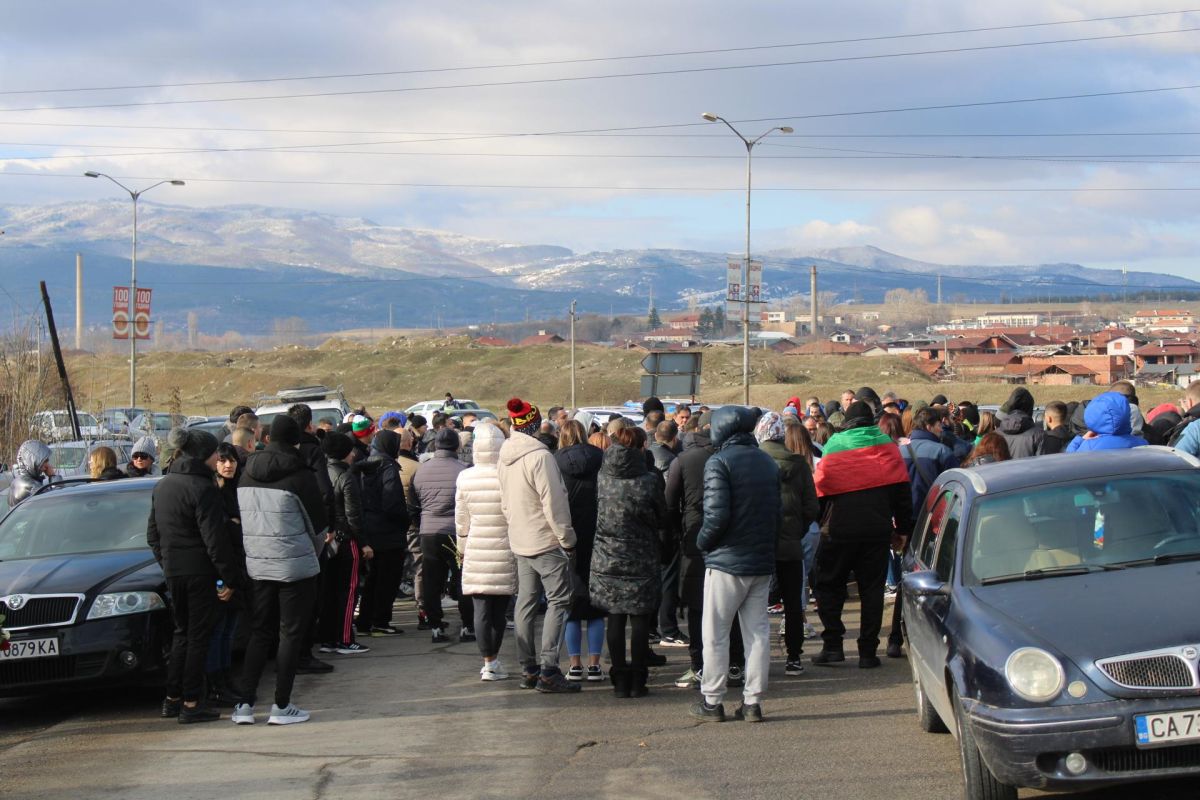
x,y
30,648
1156,729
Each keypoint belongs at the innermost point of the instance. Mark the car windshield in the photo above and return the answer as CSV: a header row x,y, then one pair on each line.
x,y
62,419
67,522
1070,528
67,457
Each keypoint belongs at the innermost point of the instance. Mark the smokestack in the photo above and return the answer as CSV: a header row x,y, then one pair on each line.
x,y
816,326
78,301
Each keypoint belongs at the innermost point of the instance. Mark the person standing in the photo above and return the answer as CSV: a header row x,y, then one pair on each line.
x,y
626,572
431,508
219,666
33,464
866,510
142,459
1108,426
386,523
350,550
489,571
534,501
283,530
187,533
1020,432
738,537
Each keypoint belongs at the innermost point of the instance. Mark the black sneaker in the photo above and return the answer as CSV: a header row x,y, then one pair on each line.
x,y
439,635
734,677
654,659
868,662
198,714
794,667
675,640
555,683
895,650
313,666
384,630
655,638
827,657
328,647
749,712
422,622
706,713
529,680
467,635
171,708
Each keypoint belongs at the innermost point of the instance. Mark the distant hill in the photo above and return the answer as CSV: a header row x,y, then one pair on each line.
x,y
240,267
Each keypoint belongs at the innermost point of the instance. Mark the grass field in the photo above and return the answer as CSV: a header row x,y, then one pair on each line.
x,y
399,372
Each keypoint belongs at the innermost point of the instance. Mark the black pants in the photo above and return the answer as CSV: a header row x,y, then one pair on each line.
x,y
490,622
440,574
639,639
338,587
194,609
668,622
280,611
790,577
380,593
832,565
897,634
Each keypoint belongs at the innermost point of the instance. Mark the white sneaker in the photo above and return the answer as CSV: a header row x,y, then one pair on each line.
x,y
243,714
493,671
286,716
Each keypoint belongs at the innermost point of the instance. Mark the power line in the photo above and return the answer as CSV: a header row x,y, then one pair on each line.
x,y
598,59
610,76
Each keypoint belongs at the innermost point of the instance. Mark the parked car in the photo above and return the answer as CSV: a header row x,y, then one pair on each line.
x,y
85,602
426,408
214,425
1050,611
70,459
53,426
326,404
117,420
481,413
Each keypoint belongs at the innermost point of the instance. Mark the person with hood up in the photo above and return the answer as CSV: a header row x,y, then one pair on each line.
x,y
580,464
187,532
385,524
143,459
739,539
33,464
489,571
1109,426
800,511
349,550
1023,435
534,500
431,509
283,531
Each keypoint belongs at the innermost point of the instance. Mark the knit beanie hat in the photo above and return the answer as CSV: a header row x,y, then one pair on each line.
x,y
194,442
525,416
361,427
652,404
337,445
400,417
446,439
858,415
285,430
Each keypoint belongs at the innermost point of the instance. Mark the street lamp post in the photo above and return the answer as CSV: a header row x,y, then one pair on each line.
x,y
746,263
133,195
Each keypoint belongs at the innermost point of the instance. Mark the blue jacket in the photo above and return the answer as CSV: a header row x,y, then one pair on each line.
x,y
932,459
743,508
1107,416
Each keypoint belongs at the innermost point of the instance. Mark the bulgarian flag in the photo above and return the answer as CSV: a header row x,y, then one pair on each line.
x,y
857,459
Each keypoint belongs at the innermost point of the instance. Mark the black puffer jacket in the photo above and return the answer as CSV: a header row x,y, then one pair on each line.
x,y
742,505
347,502
580,468
1055,440
626,572
685,490
385,510
186,529
310,451
800,505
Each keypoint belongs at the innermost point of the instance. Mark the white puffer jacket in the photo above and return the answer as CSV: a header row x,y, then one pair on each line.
x,y
488,563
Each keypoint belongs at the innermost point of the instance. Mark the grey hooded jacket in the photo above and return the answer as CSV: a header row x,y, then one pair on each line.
x,y
27,472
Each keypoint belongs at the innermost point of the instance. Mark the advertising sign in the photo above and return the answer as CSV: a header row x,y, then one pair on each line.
x,y
120,312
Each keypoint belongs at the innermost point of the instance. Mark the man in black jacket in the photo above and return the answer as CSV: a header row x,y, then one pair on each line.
x,y
1058,433
187,532
386,521
310,451
349,550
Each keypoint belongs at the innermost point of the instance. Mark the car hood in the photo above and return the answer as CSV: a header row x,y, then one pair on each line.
x,y
1102,614
71,574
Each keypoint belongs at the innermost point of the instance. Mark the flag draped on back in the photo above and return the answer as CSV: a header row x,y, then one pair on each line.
x,y
857,459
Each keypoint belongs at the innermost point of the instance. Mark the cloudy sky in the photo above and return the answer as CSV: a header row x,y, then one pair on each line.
x,y
578,123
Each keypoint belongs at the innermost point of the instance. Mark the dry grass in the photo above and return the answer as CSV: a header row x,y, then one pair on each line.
x,y
399,372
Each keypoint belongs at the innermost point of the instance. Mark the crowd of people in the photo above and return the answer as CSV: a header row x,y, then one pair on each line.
x,y
308,534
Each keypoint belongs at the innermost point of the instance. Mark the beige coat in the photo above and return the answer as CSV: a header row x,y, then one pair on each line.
x,y
533,498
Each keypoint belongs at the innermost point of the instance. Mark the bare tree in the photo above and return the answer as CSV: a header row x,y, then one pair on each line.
x,y
26,387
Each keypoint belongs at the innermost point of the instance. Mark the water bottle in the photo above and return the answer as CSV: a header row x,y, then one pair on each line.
x,y
1098,531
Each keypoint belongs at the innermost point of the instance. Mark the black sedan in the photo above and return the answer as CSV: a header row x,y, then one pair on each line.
x,y
1051,615
82,595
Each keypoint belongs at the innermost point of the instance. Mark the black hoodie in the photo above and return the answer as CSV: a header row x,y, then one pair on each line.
x,y
384,507
1020,432
280,466
685,490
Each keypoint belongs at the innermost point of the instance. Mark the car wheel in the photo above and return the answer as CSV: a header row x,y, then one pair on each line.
x,y
927,716
978,781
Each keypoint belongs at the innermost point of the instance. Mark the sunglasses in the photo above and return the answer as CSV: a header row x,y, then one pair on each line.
x,y
141,457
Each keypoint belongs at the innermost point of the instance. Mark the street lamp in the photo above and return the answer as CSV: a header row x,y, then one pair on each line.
x,y
709,116
134,195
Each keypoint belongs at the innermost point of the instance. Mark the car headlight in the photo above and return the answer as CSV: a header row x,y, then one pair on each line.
x,y
1034,674
121,603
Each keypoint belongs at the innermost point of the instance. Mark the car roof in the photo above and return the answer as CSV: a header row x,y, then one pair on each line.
x,y
1024,473
73,487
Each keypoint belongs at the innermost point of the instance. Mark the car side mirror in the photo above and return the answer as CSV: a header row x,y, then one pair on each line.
x,y
925,583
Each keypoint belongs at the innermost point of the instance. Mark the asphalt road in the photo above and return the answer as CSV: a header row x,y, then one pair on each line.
x,y
410,719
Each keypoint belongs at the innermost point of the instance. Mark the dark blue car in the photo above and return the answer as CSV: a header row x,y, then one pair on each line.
x,y
82,595
1051,613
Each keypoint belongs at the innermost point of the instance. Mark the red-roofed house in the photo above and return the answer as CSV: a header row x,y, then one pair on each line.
x,y
827,348
1175,320
542,338
493,341
1167,351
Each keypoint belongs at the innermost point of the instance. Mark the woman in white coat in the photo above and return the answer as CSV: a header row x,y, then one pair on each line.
x,y
489,574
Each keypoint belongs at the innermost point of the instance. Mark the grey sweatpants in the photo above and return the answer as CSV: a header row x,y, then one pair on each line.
x,y
743,596
549,572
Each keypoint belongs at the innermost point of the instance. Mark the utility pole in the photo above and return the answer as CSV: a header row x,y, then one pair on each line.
x,y
939,290
78,301
573,406
812,288
390,318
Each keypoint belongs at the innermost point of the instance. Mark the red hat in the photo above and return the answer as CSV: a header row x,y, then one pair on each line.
x,y
525,416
